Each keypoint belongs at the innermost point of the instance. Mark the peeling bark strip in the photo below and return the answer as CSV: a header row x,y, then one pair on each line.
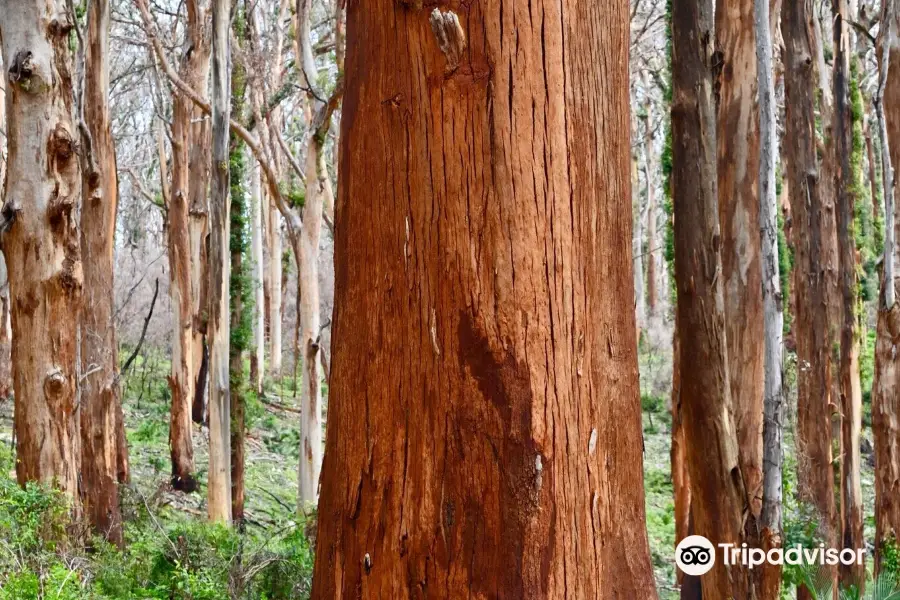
x,y
484,425
718,495
41,246
103,457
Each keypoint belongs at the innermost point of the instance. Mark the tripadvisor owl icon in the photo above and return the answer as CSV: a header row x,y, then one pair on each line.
x,y
695,555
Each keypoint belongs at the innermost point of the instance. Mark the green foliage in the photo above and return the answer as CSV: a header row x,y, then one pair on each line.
x,y
890,557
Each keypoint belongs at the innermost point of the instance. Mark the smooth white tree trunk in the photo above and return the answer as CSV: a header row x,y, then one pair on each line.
x,y
256,261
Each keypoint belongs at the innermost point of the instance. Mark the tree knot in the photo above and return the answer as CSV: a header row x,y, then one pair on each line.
x,y
449,34
54,384
22,72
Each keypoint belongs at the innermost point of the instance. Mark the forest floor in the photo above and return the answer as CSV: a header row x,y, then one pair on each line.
x,y
171,552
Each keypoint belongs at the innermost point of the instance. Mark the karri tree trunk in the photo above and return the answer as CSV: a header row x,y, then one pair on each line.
x,y
738,184
258,353
718,496
804,179
196,74
885,396
182,383
100,403
484,435
41,243
306,249
637,242
850,388
274,243
218,326
239,284
768,583
652,210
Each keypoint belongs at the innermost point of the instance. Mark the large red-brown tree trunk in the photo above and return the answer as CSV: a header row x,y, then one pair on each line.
x,y
738,184
41,243
100,403
810,233
850,389
484,425
718,496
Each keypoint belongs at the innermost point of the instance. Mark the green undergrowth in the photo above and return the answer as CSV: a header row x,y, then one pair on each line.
x,y
171,552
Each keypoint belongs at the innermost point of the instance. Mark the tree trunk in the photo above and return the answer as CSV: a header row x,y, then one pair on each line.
x,y
306,249
637,242
810,236
258,354
484,425
237,291
274,243
885,397
652,241
100,403
851,392
681,479
873,177
718,495
6,379
182,380
197,76
738,172
41,244
768,583
218,330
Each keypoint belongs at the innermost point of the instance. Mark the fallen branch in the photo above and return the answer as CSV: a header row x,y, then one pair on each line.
x,y
140,343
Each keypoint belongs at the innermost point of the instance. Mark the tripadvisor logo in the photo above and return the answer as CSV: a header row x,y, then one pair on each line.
x,y
696,555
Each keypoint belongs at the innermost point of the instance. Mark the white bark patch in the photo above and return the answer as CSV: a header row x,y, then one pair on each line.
x,y
592,443
434,342
538,470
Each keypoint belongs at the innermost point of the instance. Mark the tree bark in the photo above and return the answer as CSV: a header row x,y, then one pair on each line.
x,y
681,479
652,241
885,399
850,388
182,381
484,425
637,243
41,243
197,75
738,185
276,249
810,236
239,320
718,495
306,249
218,330
100,403
768,584
258,354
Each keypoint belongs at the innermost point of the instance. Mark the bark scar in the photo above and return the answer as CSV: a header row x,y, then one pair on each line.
x,y
450,36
